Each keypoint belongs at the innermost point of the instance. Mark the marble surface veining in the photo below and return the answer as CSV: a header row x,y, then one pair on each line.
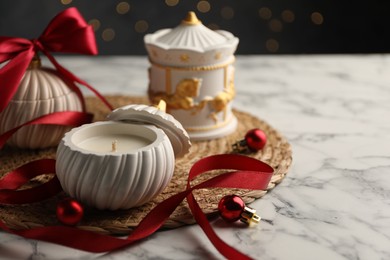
x,y
335,201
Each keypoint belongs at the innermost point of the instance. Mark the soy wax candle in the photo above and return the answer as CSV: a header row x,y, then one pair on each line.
x,y
124,162
114,143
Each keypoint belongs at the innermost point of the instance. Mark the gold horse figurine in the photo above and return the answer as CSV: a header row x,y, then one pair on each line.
x,y
187,90
220,102
183,97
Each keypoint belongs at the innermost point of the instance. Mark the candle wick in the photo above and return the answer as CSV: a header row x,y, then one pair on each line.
x,y
113,146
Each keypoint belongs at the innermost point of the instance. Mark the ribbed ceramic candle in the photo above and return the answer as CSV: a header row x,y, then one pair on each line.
x,y
41,92
121,163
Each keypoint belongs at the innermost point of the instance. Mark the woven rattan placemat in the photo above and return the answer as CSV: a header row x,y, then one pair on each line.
x,y
277,153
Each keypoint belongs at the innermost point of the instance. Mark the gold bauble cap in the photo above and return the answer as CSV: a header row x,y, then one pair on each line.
x,y
191,19
35,63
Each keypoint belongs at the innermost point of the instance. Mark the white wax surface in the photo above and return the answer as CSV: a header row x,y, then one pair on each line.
x,y
124,143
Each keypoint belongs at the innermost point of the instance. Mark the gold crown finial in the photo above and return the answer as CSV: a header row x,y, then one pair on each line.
x,y
191,19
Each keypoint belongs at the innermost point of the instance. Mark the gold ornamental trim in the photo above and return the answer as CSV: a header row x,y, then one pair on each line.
x,y
195,68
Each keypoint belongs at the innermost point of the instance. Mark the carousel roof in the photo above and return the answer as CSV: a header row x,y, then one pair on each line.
x,y
191,34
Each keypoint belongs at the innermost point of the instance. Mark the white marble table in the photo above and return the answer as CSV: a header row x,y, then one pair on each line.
x,y
335,201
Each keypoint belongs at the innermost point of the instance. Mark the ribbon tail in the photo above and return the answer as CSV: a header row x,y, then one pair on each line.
x,y
21,175
232,162
71,77
38,193
71,237
225,249
157,216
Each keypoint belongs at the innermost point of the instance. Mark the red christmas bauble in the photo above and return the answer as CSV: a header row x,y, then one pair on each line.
x,y
255,139
69,211
231,207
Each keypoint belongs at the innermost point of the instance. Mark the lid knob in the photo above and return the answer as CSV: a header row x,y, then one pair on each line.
x,y
162,105
191,19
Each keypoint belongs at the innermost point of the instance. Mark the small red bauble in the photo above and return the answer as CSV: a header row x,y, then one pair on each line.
x,y
69,211
231,207
255,139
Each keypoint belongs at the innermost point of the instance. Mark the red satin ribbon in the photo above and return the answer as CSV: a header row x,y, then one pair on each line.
x,y
14,180
68,33
246,173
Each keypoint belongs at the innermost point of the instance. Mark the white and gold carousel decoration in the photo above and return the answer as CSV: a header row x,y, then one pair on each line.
x,y
192,71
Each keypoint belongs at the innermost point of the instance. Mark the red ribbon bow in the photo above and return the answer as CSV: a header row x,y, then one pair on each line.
x,y
248,173
67,32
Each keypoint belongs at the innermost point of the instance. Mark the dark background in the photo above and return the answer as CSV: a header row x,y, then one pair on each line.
x,y
263,26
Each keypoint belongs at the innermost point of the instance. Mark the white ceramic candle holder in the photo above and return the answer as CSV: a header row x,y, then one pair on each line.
x,y
192,70
41,91
117,164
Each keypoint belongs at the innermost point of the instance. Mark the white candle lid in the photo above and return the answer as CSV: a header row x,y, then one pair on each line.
x,y
152,115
